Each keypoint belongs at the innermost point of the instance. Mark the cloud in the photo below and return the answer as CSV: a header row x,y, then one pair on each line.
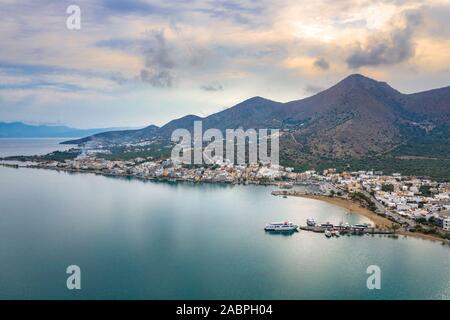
x,y
136,7
59,78
322,64
389,47
212,87
161,78
254,47
238,11
158,53
159,61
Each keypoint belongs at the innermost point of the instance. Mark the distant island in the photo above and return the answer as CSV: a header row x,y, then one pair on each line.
x,y
23,130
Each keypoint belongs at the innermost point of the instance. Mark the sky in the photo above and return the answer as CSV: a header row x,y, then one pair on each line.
x,y
140,62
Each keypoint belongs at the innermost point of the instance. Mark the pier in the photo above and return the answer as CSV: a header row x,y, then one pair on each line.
x,y
293,193
347,230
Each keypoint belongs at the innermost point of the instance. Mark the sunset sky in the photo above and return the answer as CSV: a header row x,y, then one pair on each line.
x,y
141,62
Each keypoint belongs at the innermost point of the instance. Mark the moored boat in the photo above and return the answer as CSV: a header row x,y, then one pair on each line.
x,y
281,226
310,222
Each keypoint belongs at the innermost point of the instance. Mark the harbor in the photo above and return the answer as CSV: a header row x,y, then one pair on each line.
x,y
351,230
328,229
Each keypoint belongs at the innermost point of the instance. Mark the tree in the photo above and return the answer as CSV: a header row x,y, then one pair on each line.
x,y
395,227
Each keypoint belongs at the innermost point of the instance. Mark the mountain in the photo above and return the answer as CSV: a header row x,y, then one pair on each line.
x,y
358,118
22,130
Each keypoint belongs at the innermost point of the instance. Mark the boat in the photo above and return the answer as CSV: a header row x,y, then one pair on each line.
x,y
310,222
327,225
360,227
281,226
328,233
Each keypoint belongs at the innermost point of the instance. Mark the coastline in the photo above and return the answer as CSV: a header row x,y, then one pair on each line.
x,y
353,207
356,208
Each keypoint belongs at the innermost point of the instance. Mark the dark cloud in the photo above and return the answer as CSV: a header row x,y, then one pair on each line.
x,y
136,7
322,64
233,10
212,87
41,84
313,89
159,61
389,48
162,58
123,44
158,53
161,78
39,71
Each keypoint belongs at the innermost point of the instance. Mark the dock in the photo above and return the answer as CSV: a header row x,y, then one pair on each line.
x,y
348,230
292,193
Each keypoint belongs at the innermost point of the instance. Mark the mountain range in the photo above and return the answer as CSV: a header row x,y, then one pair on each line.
x,y
358,118
22,130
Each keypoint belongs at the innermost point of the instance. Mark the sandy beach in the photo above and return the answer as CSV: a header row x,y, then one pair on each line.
x,y
377,220
352,207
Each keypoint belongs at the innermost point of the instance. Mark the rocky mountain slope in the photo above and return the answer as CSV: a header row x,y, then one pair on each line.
x,y
357,118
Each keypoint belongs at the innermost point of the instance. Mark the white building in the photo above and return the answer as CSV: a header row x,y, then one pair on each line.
x,y
446,224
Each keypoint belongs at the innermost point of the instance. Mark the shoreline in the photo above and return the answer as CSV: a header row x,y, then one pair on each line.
x,y
352,206
377,220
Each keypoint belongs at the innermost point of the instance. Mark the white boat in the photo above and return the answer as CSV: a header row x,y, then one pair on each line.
x,y
281,226
310,222
328,233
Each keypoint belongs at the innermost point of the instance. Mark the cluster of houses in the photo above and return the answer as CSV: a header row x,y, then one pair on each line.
x,y
257,173
410,197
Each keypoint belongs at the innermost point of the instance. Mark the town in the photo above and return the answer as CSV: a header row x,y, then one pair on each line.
x,y
416,204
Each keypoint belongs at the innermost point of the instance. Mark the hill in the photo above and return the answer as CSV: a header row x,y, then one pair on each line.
x,y
357,120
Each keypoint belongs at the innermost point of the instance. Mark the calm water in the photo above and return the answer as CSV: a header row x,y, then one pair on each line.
x,y
147,240
29,147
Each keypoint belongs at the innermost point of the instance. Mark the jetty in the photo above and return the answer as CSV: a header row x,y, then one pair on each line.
x,y
347,230
293,193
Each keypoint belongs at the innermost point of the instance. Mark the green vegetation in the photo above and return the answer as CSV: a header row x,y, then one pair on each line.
x,y
122,153
437,169
432,143
426,154
387,188
364,200
434,231
61,156
425,190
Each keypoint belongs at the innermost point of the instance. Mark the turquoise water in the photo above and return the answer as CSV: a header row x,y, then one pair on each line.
x,y
148,240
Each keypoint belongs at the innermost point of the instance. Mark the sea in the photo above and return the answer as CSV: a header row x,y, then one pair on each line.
x,y
134,239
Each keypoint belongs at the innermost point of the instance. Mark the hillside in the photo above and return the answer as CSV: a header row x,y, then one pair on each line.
x,y
357,119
